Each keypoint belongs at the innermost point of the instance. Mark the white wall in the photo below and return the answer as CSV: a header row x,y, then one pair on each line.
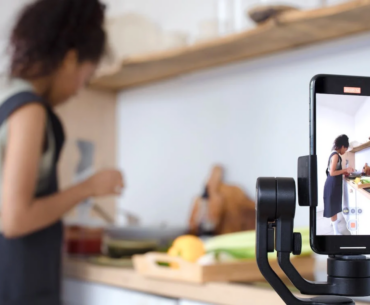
x,y
8,12
251,116
362,134
363,122
172,15
185,15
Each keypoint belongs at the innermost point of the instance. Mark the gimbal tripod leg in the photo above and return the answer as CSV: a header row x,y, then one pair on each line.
x,y
304,286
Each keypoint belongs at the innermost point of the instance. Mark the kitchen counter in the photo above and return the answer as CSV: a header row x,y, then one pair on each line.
x,y
362,191
213,293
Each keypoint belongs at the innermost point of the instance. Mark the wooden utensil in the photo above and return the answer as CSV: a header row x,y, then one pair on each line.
x,y
230,210
103,214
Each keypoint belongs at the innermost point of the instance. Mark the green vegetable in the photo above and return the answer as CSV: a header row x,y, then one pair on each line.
x,y
241,245
127,248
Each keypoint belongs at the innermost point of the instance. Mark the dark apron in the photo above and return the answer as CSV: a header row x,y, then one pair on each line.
x,y
333,190
30,267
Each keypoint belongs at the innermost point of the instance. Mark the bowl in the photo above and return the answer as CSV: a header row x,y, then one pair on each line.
x,y
117,248
162,235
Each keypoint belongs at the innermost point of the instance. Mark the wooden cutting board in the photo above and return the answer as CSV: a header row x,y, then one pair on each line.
x,y
240,271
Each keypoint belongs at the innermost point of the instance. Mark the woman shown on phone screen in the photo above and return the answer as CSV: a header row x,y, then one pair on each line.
x,y
333,188
55,47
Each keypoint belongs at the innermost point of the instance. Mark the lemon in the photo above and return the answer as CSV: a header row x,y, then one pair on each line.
x,y
188,247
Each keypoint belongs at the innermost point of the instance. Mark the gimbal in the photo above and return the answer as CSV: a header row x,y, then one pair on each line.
x,y
276,202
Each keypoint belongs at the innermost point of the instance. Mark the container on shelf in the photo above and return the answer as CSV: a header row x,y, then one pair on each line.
x,y
207,30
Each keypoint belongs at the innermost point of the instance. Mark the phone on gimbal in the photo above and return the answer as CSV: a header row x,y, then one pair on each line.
x,y
339,137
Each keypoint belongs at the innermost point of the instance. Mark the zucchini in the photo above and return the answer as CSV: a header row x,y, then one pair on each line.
x,y
241,245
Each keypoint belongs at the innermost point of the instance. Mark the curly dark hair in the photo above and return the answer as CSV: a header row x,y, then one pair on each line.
x,y
47,29
340,141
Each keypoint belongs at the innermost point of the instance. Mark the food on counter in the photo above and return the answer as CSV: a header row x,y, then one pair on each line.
x,y
188,247
239,243
214,258
111,262
360,181
81,240
126,248
240,246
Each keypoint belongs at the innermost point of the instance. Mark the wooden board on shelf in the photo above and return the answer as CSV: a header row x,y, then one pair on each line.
x,y
361,147
290,30
241,271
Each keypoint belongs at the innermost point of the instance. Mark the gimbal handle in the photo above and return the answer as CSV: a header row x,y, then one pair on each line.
x,y
276,202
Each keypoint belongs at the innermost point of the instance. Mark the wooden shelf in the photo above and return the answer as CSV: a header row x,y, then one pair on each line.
x,y
361,147
290,30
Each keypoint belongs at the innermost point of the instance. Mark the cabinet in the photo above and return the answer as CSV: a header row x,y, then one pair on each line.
x,y
363,211
356,210
351,213
84,293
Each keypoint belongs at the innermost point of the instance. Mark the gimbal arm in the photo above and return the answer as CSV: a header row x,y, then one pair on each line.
x,y
276,209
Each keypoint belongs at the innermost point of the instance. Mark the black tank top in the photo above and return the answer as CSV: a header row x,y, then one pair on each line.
x,y
30,267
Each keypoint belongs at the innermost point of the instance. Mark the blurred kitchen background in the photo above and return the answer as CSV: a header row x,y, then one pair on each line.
x,y
194,101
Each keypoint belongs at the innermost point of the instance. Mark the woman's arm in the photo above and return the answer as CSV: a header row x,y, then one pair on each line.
x,y
333,166
21,213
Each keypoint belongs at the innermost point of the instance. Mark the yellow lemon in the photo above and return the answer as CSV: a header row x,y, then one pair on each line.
x,y
188,247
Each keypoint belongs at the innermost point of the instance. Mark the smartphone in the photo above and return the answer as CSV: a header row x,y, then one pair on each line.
x,y
339,137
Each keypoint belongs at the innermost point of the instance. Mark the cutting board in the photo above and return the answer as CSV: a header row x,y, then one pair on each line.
x,y
151,265
360,186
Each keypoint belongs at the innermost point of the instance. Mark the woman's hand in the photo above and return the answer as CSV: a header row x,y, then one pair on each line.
x,y
349,170
106,182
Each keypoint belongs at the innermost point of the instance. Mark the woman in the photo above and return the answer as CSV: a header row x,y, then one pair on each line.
x,y
55,48
333,188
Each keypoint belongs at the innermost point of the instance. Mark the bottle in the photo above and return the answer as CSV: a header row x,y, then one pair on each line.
x,y
206,225
224,16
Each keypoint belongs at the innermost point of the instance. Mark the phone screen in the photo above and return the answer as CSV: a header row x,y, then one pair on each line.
x,y
343,163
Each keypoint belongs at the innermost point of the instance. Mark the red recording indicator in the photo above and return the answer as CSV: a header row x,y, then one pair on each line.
x,y
352,90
